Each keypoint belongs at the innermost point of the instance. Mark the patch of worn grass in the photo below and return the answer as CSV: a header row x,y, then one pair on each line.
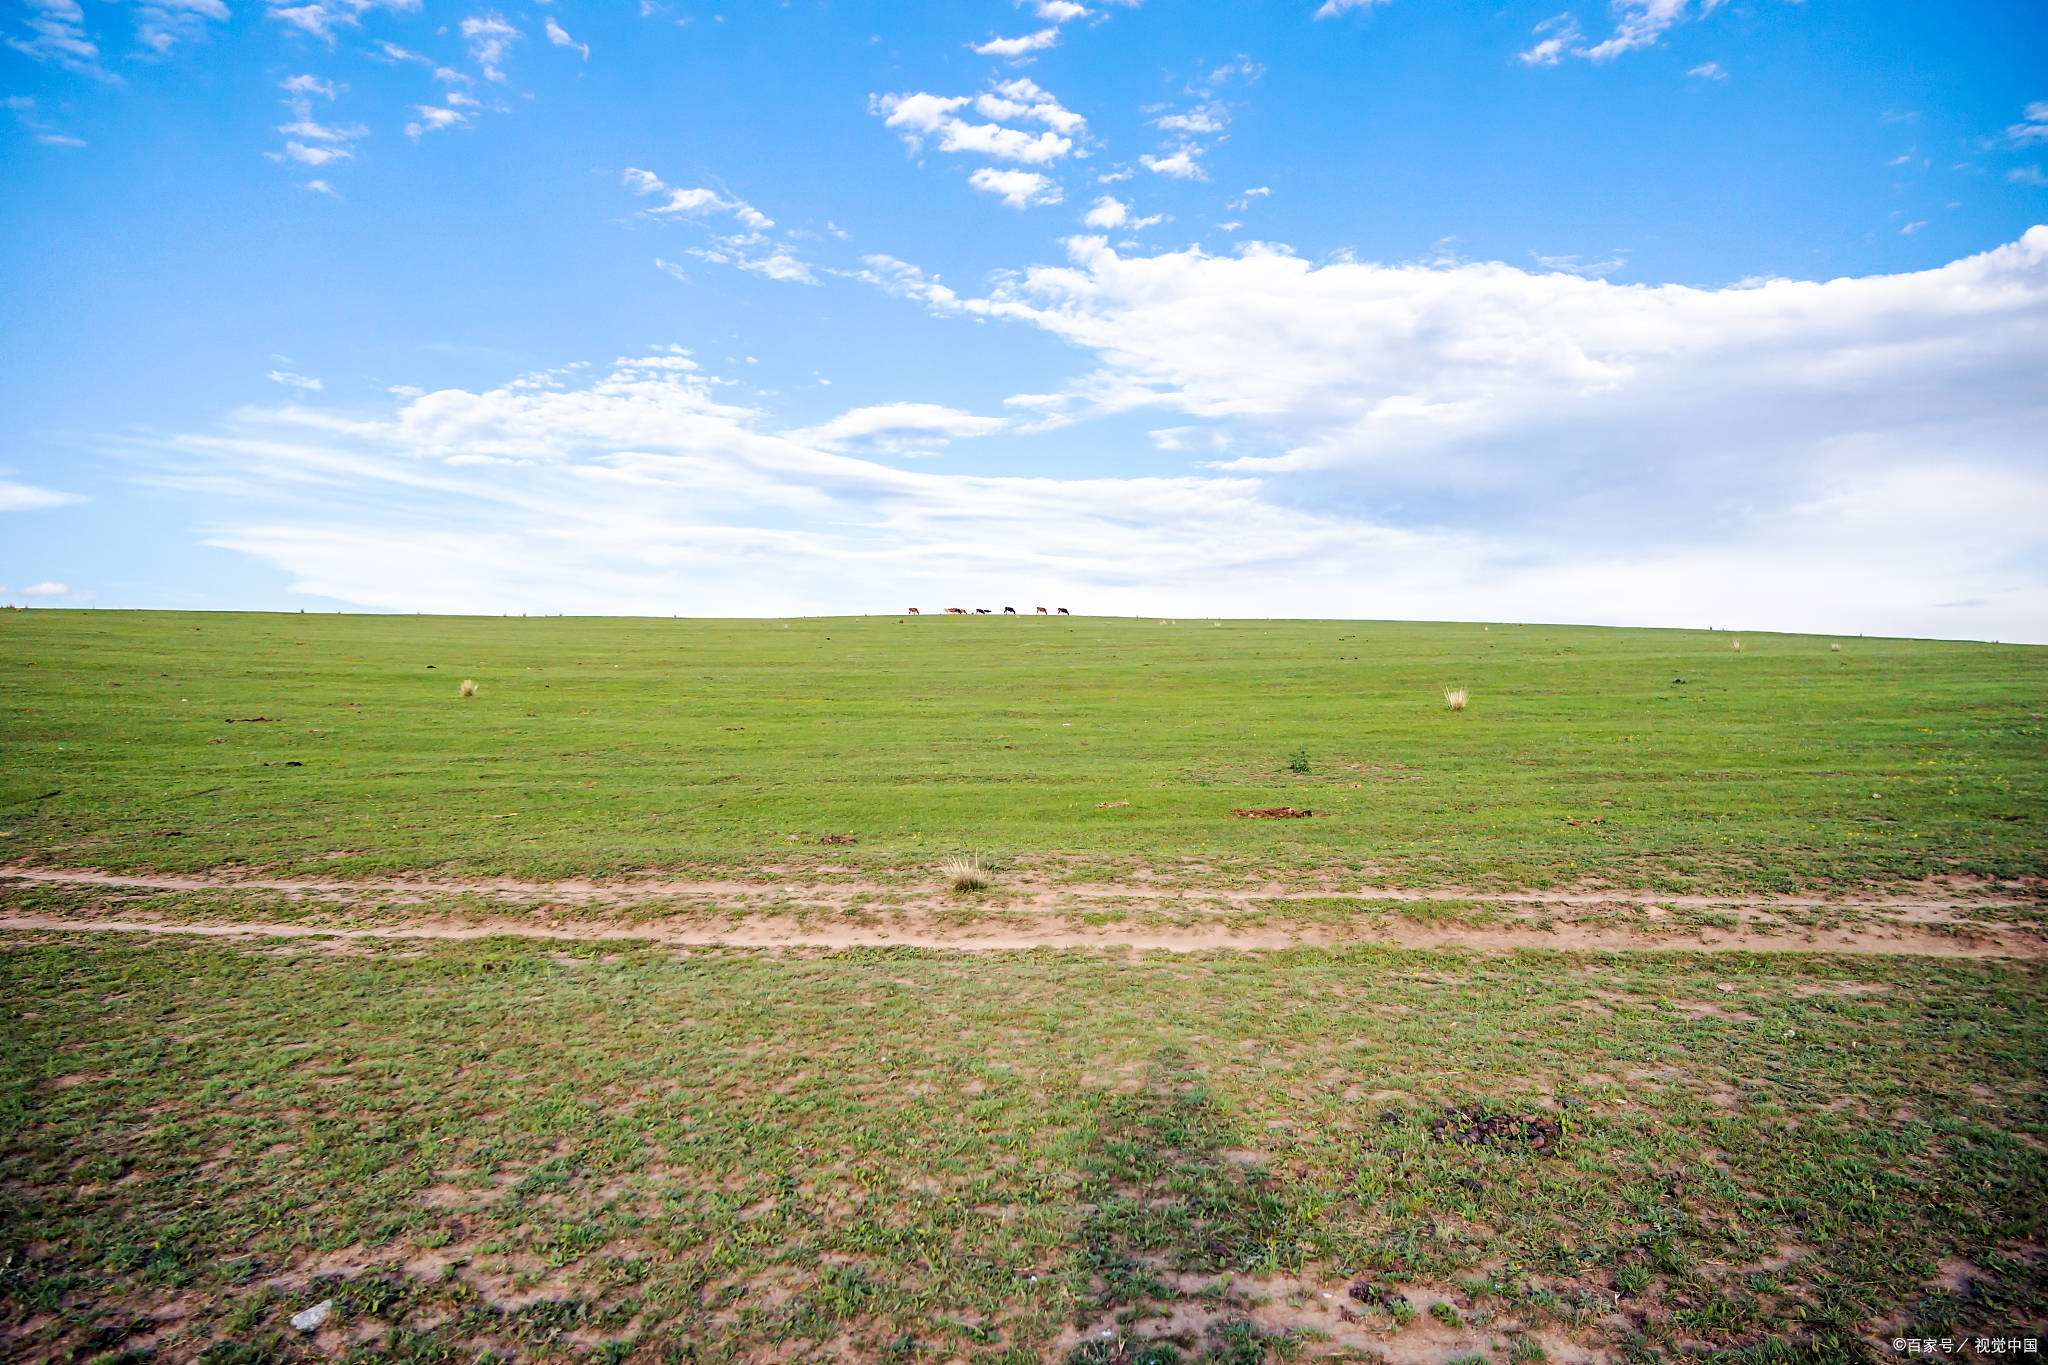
x,y
550,1150
329,745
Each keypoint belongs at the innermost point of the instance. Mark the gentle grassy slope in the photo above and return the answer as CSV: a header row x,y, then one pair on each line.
x,y
904,1156
600,746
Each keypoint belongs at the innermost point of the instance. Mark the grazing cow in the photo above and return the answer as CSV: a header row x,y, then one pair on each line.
x,y
983,611
1065,612
956,611
1041,611
914,611
1009,611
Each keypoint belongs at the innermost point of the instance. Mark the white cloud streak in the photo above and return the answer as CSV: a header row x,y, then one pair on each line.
x,y
559,36
1461,440
23,497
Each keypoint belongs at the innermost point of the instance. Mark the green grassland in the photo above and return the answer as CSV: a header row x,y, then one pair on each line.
x,y
520,1149
507,1150
599,746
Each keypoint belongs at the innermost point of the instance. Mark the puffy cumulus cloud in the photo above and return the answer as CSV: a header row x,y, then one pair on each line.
x,y
1107,212
47,588
1018,189
1181,164
1637,24
896,428
920,116
1554,409
24,497
1438,440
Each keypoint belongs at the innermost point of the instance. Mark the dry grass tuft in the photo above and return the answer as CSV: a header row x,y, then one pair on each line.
x,y
1834,647
964,872
1737,646
1455,698
469,687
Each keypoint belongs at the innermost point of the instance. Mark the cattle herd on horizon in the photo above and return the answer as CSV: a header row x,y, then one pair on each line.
x,y
984,611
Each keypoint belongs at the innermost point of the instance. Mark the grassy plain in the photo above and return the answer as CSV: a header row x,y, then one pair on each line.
x,y
598,746
513,1150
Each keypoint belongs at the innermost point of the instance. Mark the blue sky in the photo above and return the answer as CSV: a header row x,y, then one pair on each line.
x,y
1660,312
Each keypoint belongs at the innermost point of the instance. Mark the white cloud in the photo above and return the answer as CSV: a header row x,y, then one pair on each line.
x,y
162,24
295,381
323,18
2032,127
1019,189
691,202
1207,118
1710,71
1330,9
22,497
433,118
24,109
46,589
1909,229
1556,36
1442,440
1020,46
322,187
1637,24
892,428
1107,212
2027,175
490,38
559,36
916,117
307,155
1059,11
1024,100
1181,165
56,34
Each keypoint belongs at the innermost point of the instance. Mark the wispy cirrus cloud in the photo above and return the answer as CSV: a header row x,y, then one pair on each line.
x,y
750,249
24,110
559,36
26,497
55,33
1638,24
323,19
308,141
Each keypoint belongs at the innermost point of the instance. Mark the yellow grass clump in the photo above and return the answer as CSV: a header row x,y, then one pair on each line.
x,y
1455,698
964,872
1737,646
469,687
